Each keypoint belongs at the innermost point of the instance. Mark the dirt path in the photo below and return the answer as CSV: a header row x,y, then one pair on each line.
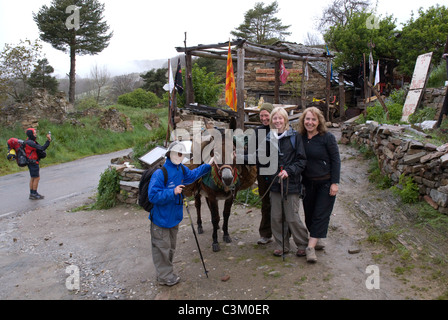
x,y
112,252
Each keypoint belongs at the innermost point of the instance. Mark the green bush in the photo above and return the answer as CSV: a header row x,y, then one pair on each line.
x,y
422,115
87,103
376,113
398,96
139,98
206,85
108,188
407,190
438,77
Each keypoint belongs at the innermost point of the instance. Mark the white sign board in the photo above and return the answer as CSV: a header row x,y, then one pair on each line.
x,y
417,85
154,156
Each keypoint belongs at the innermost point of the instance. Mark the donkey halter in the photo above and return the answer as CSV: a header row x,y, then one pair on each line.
x,y
219,174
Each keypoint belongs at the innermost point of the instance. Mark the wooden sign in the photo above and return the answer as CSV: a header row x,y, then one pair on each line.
x,y
418,85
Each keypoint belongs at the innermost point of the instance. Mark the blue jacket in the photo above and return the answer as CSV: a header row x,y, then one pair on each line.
x,y
168,208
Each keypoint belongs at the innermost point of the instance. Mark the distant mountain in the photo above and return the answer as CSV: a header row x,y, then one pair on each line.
x,y
136,66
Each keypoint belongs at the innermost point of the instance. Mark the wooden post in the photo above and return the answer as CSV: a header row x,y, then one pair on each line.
x,y
170,111
341,95
277,82
444,111
328,89
189,91
240,88
303,94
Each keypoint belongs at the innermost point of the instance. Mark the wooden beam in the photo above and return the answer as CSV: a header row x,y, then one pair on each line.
x,y
219,56
286,56
211,46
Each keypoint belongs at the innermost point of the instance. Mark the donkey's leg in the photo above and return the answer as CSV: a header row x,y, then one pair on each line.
x,y
197,204
226,215
214,211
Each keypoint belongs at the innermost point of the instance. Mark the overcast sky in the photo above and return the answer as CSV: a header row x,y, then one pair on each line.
x,y
149,30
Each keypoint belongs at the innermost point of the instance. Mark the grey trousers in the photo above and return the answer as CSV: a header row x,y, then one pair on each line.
x,y
163,243
293,224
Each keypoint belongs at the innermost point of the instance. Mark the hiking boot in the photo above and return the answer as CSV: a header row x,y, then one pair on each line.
x,y
170,282
264,240
320,245
36,197
311,255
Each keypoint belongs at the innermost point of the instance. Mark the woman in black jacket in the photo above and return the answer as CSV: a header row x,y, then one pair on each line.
x,y
291,163
320,178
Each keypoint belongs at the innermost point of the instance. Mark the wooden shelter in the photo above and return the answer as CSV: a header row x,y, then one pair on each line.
x,y
244,51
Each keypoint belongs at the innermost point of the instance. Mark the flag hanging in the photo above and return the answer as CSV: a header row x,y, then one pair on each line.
x,y
307,73
284,74
231,98
178,82
377,76
170,85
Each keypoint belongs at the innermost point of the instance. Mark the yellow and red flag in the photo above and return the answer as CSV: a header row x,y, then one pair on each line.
x,y
230,83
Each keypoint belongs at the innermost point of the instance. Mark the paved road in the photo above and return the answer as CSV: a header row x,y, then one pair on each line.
x,y
57,183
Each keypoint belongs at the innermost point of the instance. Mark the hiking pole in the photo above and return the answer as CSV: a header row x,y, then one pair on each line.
x,y
283,216
194,232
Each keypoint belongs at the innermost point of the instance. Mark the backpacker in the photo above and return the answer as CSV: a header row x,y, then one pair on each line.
x,y
143,200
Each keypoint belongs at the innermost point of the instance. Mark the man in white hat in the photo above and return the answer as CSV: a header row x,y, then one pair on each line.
x,y
167,212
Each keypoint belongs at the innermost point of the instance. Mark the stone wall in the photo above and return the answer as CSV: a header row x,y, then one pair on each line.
x,y
259,81
399,153
39,105
129,181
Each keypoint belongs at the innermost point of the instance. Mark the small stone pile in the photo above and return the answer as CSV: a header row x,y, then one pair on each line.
x,y
399,153
115,121
129,180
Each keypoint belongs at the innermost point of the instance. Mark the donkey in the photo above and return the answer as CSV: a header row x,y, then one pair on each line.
x,y
222,183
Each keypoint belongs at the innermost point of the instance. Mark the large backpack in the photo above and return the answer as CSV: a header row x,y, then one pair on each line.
x,y
143,199
22,159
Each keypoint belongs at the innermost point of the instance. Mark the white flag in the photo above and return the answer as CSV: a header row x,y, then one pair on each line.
x,y
170,85
377,76
307,75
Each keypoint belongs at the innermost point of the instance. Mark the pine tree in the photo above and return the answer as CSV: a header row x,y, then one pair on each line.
x,y
81,31
261,26
41,77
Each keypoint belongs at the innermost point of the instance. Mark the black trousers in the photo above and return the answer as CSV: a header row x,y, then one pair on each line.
x,y
265,224
318,206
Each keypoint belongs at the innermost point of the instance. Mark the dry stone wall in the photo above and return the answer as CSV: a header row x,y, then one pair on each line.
x,y
39,105
398,153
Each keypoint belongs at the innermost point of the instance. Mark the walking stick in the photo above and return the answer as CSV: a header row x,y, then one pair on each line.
x,y
194,232
283,216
